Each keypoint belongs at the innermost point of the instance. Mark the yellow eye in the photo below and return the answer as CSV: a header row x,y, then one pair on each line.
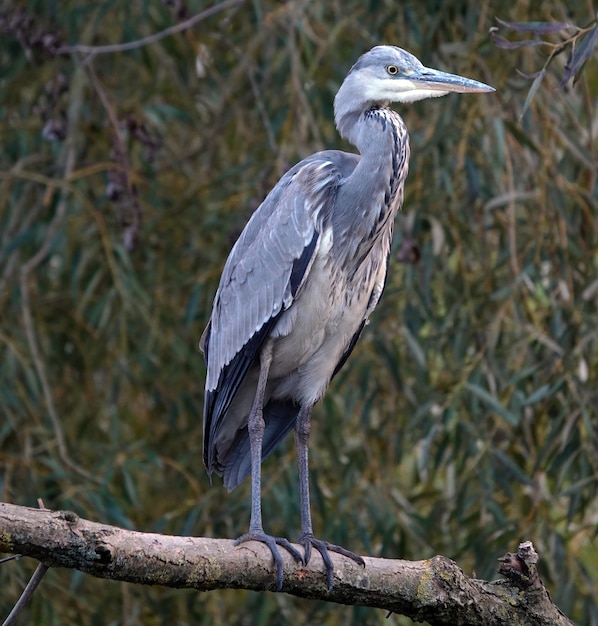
x,y
392,69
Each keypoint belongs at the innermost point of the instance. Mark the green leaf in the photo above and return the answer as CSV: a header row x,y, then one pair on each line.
x,y
532,91
539,28
579,56
493,403
538,395
501,42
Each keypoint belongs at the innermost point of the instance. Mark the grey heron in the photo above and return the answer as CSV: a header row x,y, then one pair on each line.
x,y
301,281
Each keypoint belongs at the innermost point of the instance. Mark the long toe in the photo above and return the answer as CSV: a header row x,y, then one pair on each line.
x,y
272,543
324,548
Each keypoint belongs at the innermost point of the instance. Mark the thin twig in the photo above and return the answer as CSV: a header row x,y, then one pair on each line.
x,y
139,43
511,218
13,557
26,595
31,585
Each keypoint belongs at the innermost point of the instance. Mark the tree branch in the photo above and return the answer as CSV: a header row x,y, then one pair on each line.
x,y
139,43
435,590
19,607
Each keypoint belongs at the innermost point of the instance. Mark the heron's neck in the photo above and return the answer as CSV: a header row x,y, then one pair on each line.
x,y
372,195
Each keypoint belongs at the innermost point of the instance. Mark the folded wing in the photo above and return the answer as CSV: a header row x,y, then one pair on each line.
x,y
262,276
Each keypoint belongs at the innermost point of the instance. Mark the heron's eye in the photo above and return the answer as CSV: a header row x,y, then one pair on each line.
x,y
392,69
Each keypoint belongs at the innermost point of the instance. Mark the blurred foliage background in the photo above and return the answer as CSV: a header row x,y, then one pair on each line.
x,y
466,419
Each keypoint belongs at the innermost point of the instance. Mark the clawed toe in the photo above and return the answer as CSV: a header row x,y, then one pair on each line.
x,y
308,541
324,548
272,542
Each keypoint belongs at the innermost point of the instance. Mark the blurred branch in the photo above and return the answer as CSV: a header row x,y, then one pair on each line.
x,y
435,590
139,43
581,44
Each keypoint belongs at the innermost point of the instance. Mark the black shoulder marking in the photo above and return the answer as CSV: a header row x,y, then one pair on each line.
x,y
302,263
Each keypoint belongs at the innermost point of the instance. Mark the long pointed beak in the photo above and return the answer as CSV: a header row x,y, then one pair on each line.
x,y
434,80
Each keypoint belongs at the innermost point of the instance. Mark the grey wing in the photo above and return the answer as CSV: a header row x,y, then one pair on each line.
x,y
260,280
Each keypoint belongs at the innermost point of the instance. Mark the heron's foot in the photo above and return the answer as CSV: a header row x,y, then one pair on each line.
x,y
272,543
307,540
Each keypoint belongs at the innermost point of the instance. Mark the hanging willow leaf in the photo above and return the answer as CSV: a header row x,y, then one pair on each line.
x,y
539,28
532,91
579,57
528,76
494,404
501,42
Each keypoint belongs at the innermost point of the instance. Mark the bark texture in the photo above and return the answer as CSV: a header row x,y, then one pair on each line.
x,y
435,590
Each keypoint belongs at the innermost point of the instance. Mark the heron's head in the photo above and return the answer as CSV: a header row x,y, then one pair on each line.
x,y
389,74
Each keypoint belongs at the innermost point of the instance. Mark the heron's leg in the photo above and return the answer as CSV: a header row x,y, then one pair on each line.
x,y
255,427
302,430
307,539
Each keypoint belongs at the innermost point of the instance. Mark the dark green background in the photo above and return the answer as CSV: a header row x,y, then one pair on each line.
x,y
466,419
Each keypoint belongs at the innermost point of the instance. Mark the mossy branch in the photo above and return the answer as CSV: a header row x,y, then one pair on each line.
x,y
435,590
